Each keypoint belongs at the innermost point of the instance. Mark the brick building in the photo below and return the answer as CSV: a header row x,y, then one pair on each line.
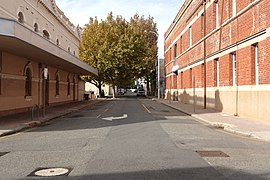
x,y
224,46
35,34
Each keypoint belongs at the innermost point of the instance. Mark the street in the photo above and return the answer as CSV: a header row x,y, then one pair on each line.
x,y
132,138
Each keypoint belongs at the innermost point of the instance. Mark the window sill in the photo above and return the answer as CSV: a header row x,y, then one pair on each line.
x,y
28,98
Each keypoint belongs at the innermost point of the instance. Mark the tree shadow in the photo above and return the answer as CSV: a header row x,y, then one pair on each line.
x,y
94,117
197,173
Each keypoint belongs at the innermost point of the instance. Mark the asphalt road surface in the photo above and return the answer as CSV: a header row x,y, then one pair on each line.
x,y
132,138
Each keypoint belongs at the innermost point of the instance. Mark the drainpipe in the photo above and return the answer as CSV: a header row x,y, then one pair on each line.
x,y
204,53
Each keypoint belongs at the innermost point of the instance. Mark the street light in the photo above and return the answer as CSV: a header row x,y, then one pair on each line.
x,y
158,64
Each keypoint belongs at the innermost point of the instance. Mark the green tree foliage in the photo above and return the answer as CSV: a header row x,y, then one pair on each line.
x,y
119,49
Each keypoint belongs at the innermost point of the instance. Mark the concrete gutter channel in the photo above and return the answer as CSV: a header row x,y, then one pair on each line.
x,y
219,125
45,120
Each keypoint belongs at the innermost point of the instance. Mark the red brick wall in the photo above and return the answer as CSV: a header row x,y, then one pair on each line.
x,y
248,23
246,66
198,72
225,73
211,73
211,18
197,30
264,61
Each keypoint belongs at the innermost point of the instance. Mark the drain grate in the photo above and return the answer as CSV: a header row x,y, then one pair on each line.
x,y
212,154
165,111
51,172
3,153
76,116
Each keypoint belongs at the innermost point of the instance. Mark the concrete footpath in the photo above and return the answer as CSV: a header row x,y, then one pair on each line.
x,y
239,125
19,122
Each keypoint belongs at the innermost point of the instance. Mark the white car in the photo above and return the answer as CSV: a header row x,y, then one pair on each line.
x,y
140,92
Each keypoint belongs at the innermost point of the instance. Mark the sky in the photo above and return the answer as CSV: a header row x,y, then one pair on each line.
x,y
163,11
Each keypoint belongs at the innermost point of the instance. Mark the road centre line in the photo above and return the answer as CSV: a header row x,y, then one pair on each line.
x,y
104,111
146,109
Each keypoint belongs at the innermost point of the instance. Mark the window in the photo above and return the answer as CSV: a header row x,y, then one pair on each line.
x,y
216,72
36,27
20,17
46,34
202,25
28,82
57,42
216,9
182,85
74,53
181,44
190,36
256,56
57,84
190,78
175,51
202,75
233,8
234,68
68,49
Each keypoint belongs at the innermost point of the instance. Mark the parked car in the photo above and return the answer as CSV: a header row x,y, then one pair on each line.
x,y
140,92
121,91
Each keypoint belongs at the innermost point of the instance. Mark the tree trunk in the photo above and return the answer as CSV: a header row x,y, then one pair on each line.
x,y
114,92
147,85
99,89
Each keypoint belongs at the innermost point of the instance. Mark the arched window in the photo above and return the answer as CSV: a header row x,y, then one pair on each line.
x,y
36,27
68,49
46,34
28,82
57,84
74,53
57,42
20,17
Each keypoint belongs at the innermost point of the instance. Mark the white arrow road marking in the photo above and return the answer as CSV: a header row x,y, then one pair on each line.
x,y
115,118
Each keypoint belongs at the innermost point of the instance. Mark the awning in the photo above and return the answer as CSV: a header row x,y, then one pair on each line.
x,y
18,39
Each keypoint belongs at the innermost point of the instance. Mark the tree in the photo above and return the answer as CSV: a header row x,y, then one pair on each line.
x,y
147,28
117,48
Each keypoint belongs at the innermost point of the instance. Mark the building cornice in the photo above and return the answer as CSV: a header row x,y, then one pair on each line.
x,y
16,36
61,18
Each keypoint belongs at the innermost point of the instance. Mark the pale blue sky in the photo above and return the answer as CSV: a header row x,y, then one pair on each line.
x,y
163,11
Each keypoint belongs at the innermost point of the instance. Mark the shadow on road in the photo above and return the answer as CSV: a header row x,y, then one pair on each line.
x,y
138,110
203,173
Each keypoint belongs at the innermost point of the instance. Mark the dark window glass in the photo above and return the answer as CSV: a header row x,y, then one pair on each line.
x,y
20,17
57,85
36,27
46,34
28,82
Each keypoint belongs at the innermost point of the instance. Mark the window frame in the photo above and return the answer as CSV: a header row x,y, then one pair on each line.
x,y
20,17
234,69
46,34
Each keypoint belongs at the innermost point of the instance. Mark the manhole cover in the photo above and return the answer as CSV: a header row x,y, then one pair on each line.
x,y
3,153
50,172
212,154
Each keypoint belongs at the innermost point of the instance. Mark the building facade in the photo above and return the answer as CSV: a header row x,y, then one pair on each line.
x,y
221,48
36,36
